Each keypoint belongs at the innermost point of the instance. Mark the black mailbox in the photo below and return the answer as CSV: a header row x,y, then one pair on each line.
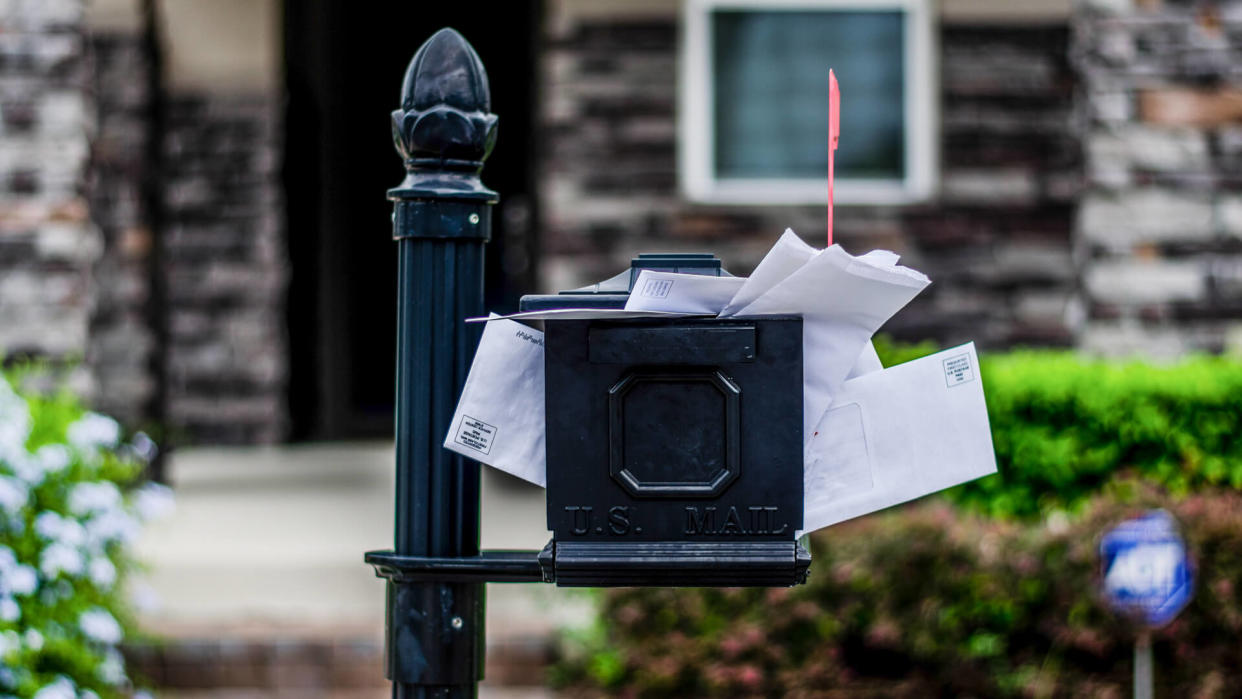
x,y
674,446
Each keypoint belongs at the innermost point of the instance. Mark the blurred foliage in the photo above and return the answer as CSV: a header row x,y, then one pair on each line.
x,y
892,352
71,504
925,601
1064,425
989,590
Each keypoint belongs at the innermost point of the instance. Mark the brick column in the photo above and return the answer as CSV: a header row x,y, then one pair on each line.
x,y
122,342
1159,229
47,243
225,268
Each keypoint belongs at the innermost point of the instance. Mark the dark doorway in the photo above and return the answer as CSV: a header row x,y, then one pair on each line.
x,y
344,64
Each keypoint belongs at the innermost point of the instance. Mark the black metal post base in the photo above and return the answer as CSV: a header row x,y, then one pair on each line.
x,y
435,633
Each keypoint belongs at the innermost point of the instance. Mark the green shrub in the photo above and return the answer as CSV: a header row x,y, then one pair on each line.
x,y
1064,425
66,521
892,352
923,602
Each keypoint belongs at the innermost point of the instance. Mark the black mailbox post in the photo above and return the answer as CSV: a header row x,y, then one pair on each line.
x,y
674,447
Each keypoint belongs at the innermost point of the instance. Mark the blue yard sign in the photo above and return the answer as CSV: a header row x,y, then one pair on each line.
x,y
1146,570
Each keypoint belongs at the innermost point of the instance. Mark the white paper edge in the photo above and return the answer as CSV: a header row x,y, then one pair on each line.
x,y
588,314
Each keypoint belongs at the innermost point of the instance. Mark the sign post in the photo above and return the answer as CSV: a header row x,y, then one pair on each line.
x,y
1147,575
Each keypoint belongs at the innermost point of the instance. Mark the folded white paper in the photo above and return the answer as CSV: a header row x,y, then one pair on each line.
x,y
867,362
682,293
898,434
499,419
843,300
785,258
881,258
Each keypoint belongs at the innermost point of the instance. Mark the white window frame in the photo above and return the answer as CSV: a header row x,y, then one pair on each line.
x,y
696,127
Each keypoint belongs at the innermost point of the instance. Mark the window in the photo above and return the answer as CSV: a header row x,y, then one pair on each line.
x,y
753,119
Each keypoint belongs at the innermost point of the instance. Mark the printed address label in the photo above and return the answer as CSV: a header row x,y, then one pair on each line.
x,y
957,370
475,434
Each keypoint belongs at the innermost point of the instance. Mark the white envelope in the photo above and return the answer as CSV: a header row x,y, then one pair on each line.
x,y
499,418
898,434
843,300
682,293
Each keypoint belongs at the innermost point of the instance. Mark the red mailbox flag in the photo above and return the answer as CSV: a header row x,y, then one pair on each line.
x,y
834,134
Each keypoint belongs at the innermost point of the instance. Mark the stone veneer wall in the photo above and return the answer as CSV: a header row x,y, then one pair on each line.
x,y
221,266
122,345
1159,234
996,240
77,240
224,268
47,242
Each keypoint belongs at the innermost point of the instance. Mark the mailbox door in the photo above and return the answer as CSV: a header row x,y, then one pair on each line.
x,y
686,430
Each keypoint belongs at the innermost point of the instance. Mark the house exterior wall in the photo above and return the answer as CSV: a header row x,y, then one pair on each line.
x,y
74,240
48,245
187,325
996,239
224,268
122,344
1159,232
1089,189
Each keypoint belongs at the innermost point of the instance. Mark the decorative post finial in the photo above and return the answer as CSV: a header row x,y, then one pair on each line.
x,y
445,128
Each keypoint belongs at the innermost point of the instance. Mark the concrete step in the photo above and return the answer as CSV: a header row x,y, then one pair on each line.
x,y
260,584
309,667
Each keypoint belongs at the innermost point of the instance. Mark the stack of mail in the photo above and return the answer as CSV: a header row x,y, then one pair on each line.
x,y
874,437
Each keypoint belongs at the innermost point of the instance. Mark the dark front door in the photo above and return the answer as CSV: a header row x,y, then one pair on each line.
x,y
344,65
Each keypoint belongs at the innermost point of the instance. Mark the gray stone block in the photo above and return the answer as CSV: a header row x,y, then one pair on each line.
x,y
1107,7
1130,338
1113,153
68,242
35,285
47,331
1108,160
1014,187
1225,272
1111,107
222,410
1114,44
1030,262
1120,221
1167,148
1129,282
998,68
1042,308
1229,214
63,112
123,345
